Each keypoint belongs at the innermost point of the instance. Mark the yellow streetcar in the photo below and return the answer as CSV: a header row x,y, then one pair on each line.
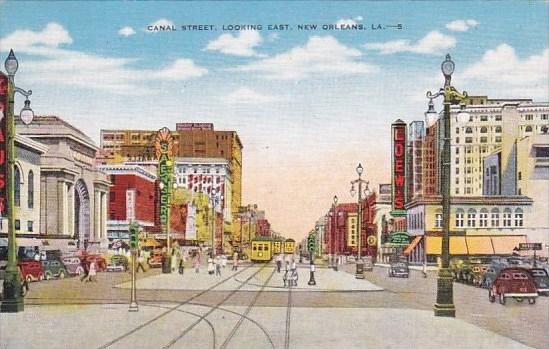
x,y
262,249
289,246
278,246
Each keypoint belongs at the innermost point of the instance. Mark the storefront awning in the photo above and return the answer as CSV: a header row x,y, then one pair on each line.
x,y
433,245
458,245
506,244
413,245
479,245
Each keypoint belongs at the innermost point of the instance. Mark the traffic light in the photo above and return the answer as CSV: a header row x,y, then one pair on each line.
x,y
134,235
311,243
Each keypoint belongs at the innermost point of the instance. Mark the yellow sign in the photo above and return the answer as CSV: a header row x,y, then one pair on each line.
x,y
372,240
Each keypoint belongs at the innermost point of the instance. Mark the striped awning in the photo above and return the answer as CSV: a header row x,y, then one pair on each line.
x,y
412,245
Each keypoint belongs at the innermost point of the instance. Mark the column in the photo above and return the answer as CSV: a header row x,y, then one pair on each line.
x,y
72,207
96,214
61,204
103,234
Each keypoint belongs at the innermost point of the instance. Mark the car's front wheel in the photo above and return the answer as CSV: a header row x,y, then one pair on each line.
x,y
48,275
61,274
29,278
532,300
491,296
519,299
502,298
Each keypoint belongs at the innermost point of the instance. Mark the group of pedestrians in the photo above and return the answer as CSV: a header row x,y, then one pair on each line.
x,y
215,264
290,276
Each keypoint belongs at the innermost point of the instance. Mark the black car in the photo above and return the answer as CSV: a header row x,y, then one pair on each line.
x,y
541,278
399,269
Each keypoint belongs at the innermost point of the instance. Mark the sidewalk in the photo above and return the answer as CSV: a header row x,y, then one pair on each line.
x,y
91,326
326,280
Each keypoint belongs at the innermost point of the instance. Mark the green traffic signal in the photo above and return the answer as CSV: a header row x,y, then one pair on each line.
x,y
134,235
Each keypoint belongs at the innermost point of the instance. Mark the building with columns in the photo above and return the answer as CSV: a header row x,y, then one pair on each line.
x,y
73,191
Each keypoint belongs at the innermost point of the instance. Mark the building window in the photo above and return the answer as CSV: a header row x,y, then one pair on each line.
x,y
457,190
529,117
457,130
471,218
457,140
507,218
469,170
457,170
498,139
484,139
17,224
520,175
484,118
498,129
468,130
544,116
459,218
30,226
457,150
518,218
483,218
17,190
528,128
498,117
438,219
483,129
495,218
468,139
30,190
457,161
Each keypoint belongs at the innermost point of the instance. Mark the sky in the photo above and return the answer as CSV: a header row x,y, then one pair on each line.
x,y
308,104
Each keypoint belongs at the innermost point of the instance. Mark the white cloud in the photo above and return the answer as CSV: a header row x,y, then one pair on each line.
x,y
320,56
54,65
359,18
461,25
432,43
126,31
162,22
181,69
242,44
512,75
345,22
52,35
245,95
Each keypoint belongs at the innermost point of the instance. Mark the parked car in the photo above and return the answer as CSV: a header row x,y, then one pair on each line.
x,y
541,278
118,263
54,268
31,270
155,260
513,282
73,265
490,275
399,269
475,272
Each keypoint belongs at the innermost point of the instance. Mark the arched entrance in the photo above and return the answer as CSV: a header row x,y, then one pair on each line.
x,y
81,214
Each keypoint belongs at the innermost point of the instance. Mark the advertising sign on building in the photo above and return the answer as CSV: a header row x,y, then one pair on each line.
x,y
399,166
187,126
130,205
164,153
3,142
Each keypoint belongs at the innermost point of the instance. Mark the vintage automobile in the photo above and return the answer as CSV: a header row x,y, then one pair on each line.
x,y
541,278
31,270
458,268
54,268
475,272
155,260
118,263
73,265
513,282
399,268
490,275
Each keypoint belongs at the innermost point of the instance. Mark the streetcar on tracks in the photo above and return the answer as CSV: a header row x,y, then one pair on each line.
x,y
289,246
264,248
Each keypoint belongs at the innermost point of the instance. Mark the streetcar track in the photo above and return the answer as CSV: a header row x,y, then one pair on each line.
x,y
190,327
245,314
156,318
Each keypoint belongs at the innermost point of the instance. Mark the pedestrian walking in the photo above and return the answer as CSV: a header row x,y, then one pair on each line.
x,y
293,274
235,261
217,266
92,274
86,268
286,276
197,263
140,262
173,262
211,268
278,260
181,266
223,260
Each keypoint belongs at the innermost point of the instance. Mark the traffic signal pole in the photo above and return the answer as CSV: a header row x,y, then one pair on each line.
x,y
134,244
311,248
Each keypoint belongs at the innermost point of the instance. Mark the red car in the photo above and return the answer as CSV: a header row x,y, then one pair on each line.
x,y
31,270
515,282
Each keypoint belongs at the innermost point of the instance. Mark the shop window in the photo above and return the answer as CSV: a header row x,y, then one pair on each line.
x,y
483,218
438,219
507,217
494,221
518,217
471,218
459,218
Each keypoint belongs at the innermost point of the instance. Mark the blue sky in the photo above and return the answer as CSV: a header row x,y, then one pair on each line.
x,y
308,105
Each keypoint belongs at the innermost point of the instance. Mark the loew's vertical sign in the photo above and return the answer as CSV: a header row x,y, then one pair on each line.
x,y
398,129
4,100
164,154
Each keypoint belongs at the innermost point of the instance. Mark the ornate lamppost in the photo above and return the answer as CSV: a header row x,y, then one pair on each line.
x,y
359,181
334,234
13,292
444,305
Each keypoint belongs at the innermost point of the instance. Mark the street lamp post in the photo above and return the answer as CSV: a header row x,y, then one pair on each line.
x,y
13,293
334,235
359,181
444,305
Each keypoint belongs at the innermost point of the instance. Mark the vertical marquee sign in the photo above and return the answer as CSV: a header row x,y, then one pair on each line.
x,y
4,100
398,131
164,152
